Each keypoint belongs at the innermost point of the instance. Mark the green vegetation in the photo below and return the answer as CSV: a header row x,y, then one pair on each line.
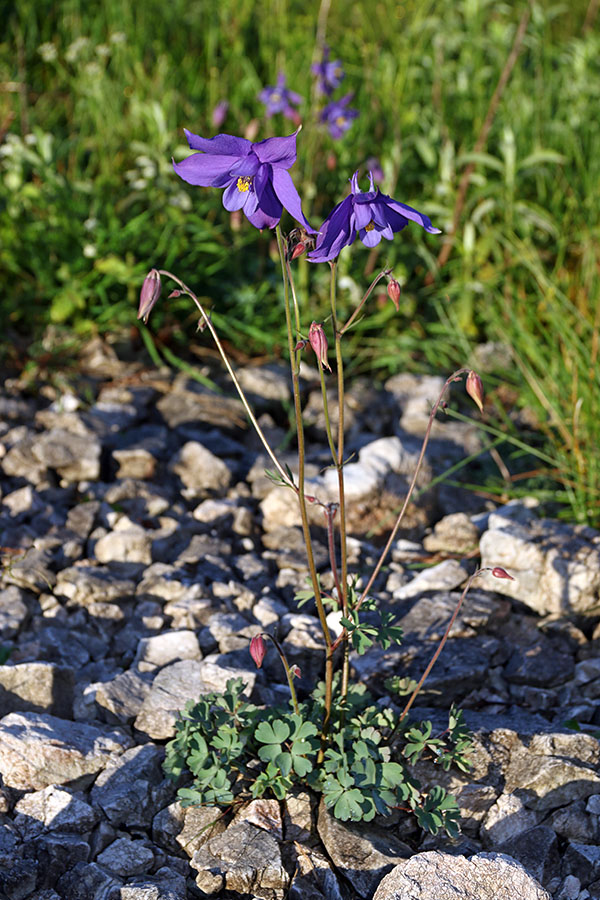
x,y
93,100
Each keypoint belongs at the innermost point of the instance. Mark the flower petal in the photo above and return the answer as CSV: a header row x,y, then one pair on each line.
x,y
289,197
261,220
220,145
205,170
336,232
248,165
279,151
267,201
233,198
409,213
370,238
363,215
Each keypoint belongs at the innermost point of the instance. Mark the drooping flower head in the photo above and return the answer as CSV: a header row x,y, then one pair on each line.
x,y
280,99
370,215
338,116
254,176
329,73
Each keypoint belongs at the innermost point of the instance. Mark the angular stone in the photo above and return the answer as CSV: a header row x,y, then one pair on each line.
x,y
53,809
556,566
134,462
200,470
314,878
365,855
87,881
75,458
37,750
165,885
37,687
179,683
455,533
263,813
125,857
120,700
125,545
506,819
168,647
537,851
132,788
19,881
243,859
55,854
444,576
186,828
550,782
440,876
85,584
13,611
583,861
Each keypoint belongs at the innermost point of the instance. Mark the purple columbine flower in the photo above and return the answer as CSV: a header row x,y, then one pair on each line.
x,y
338,116
254,176
279,99
372,215
330,73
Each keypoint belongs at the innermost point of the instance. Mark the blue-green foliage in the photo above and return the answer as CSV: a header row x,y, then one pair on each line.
x,y
227,750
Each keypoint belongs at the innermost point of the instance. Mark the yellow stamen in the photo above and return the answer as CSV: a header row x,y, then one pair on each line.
x,y
244,183
341,120
370,226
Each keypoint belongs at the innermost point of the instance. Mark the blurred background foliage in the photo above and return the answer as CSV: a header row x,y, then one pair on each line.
x,y
93,102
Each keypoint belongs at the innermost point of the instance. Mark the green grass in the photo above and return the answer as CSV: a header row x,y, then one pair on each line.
x,y
93,101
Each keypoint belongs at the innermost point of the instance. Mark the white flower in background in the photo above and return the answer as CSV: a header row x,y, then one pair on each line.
x,y
48,51
74,50
90,251
118,37
103,50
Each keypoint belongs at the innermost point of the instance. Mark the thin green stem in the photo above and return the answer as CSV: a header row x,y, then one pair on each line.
x,y
207,322
334,455
288,672
439,649
454,377
301,495
367,294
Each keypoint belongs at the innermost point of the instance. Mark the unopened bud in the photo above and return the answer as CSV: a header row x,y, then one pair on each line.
x,y
298,250
295,672
300,345
174,294
318,341
499,572
394,292
258,649
474,388
149,294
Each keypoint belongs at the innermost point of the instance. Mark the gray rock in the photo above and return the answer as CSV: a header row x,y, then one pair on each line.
x,y
13,611
132,544
537,851
444,576
186,828
86,584
37,750
455,533
20,462
583,861
244,859
314,878
539,665
506,819
87,881
485,876
37,687
19,881
556,566
74,457
120,699
165,885
365,855
168,647
125,857
55,854
132,789
268,382
200,470
32,570
574,823
53,809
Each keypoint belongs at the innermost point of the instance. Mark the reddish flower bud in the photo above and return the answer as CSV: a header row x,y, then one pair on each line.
x,y
474,388
394,292
300,345
258,649
499,572
149,294
298,250
318,341
295,672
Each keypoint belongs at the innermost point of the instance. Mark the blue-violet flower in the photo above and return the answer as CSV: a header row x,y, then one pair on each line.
x,y
330,73
254,176
372,215
279,99
338,116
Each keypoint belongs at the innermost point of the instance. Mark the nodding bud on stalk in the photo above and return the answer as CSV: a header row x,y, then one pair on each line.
x,y
149,294
474,388
318,341
258,649
499,572
295,672
394,292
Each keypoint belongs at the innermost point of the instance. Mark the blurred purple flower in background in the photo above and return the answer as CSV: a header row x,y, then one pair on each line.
x,y
372,215
279,99
254,176
219,113
329,73
373,166
338,116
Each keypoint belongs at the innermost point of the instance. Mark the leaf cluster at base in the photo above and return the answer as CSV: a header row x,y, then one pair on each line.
x,y
228,750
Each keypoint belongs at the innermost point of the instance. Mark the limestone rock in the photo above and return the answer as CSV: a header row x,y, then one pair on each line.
x,y
37,687
200,470
485,876
37,750
53,809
